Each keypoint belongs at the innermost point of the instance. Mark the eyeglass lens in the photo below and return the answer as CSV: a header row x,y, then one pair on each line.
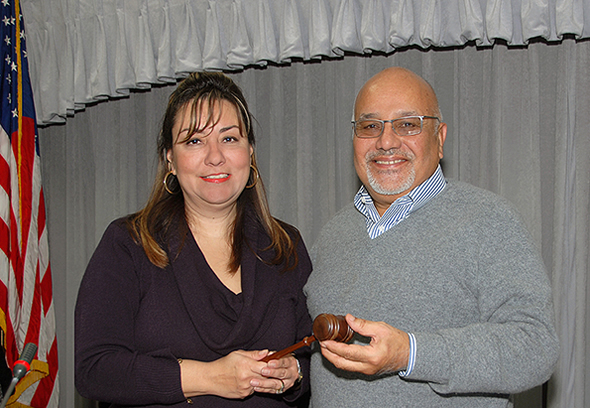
x,y
402,127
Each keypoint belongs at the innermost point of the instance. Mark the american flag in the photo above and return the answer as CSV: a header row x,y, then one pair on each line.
x,y
26,299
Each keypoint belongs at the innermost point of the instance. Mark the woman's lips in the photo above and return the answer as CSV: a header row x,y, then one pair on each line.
x,y
216,178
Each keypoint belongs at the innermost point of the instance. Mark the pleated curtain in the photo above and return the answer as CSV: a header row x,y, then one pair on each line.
x,y
82,51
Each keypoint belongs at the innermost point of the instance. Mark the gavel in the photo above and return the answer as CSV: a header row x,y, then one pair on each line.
x,y
325,327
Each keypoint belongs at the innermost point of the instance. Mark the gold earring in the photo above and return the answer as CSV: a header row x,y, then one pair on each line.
x,y
166,183
255,170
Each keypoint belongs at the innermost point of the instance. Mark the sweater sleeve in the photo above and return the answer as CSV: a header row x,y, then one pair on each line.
x,y
107,365
513,346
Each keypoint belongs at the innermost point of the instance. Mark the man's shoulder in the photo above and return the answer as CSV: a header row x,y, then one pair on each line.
x,y
346,222
460,192
466,189
464,200
344,217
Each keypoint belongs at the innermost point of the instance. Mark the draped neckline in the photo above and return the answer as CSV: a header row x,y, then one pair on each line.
x,y
226,321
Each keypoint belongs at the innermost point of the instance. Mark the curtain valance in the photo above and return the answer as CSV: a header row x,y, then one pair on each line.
x,y
82,51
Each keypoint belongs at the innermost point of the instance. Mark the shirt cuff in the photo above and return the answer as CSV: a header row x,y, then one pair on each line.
x,y
411,357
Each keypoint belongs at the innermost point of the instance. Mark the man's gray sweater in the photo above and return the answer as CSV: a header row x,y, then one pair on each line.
x,y
463,274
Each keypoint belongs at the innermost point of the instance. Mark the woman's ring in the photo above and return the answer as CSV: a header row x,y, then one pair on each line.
x,y
282,389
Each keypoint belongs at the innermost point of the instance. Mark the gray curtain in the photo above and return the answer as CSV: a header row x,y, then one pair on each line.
x,y
518,117
83,51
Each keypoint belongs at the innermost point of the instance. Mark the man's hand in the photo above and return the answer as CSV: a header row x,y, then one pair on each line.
x,y
388,351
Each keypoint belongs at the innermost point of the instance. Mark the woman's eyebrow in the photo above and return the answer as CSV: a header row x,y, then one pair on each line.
x,y
227,128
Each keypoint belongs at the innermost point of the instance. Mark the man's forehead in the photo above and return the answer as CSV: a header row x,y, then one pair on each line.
x,y
380,115
374,102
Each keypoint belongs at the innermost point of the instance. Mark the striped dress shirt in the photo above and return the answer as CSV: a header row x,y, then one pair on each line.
x,y
399,210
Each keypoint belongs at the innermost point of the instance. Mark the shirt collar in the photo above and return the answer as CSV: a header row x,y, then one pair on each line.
x,y
400,208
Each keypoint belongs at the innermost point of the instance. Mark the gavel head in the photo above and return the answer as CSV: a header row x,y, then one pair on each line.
x,y
331,327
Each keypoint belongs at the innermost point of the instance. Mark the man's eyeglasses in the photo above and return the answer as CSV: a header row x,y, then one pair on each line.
x,y
407,126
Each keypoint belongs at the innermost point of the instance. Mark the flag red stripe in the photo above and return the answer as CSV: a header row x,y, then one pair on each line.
x,y
46,291
5,175
45,388
16,259
34,313
4,238
41,215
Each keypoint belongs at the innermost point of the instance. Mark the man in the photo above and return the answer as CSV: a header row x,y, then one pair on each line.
x,y
440,280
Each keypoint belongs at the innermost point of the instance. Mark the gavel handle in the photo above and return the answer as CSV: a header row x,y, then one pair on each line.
x,y
274,356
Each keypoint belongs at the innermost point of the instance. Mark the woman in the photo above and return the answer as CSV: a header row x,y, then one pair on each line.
x,y
182,300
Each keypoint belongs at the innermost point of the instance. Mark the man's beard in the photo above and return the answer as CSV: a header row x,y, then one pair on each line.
x,y
378,187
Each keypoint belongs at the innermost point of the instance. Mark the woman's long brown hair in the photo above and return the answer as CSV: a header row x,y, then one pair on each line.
x,y
152,226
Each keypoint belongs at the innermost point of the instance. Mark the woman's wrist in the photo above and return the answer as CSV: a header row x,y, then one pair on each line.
x,y
192,381
299,379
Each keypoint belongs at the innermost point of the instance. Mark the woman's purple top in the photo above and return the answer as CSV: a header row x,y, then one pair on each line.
x,y
134,320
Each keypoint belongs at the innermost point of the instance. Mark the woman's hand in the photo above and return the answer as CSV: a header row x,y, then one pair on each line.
x,y
231,376
279,375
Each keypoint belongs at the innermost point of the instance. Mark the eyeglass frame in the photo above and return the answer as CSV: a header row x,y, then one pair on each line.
x,y
383,122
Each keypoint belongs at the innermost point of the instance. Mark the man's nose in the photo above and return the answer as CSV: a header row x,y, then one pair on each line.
x,y
388,139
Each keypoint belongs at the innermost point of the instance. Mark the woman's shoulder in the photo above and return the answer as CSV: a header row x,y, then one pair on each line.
x,y
119,228
290,229
253,222
119,236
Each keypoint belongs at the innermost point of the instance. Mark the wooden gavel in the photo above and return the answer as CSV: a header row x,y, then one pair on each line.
x,y
325,327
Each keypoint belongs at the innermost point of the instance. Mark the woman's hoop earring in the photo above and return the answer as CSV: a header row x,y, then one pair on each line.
x,y
255,170
166,183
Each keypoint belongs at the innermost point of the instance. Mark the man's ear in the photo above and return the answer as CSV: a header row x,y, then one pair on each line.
x,y
442,136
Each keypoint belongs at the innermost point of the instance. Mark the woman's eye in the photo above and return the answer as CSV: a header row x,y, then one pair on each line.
x,y
230,139
193,140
